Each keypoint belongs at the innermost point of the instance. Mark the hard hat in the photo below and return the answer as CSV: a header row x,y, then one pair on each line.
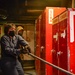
x,y
19,28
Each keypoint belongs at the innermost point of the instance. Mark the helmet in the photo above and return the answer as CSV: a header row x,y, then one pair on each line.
x,y
19,28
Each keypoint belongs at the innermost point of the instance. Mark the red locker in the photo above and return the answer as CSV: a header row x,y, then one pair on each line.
x,y
46,37
66,42
55,39
37,53
71,40
62,53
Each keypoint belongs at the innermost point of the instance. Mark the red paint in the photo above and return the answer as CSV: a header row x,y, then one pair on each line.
x,y
46,38
66,45
55,39
71,44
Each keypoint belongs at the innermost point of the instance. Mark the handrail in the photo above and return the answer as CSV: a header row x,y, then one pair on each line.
x,y
61,69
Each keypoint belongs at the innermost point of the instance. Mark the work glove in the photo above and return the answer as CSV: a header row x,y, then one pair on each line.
x,y
28,49
22,49
25,49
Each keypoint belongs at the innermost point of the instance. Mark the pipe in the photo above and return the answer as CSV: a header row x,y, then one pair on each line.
x,y
73,3
61,69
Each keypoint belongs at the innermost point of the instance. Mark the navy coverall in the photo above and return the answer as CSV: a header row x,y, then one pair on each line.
x,y
9,55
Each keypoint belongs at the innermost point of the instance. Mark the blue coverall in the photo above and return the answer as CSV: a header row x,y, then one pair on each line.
x,y
10,51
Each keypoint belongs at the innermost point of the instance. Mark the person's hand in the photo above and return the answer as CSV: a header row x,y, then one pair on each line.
x,y
22,49
28,49
25,49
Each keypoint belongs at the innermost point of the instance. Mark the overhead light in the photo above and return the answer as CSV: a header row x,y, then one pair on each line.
x,y
3,16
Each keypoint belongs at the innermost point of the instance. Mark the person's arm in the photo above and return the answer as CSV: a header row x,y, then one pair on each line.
x,y
5,45
24,43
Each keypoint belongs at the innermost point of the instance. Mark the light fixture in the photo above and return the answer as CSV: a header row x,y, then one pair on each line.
x,y
3,14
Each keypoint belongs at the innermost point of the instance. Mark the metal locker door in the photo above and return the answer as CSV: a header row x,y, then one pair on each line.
x,y
62,53
55,39
42,43
71,41
37,52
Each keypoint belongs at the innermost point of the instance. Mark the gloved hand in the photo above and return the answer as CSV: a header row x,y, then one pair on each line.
x,y
22,49
25,49
28,49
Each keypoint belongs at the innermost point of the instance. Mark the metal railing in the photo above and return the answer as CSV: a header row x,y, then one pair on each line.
x,y
46,62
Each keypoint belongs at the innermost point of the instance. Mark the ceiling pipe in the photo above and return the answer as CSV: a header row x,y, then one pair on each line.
x,y
72,3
